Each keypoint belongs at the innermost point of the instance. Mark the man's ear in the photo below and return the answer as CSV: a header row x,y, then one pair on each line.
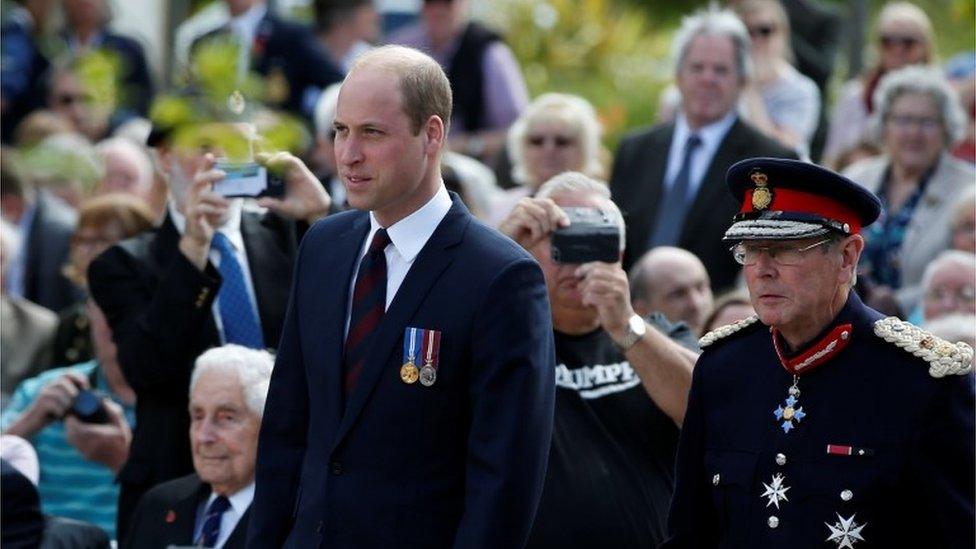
x,y
850,255
434,131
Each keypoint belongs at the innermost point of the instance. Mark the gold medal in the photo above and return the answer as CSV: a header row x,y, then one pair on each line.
x,y
409,373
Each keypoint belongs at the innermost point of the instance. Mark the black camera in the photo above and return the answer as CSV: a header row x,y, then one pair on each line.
x,y
87,407
590,236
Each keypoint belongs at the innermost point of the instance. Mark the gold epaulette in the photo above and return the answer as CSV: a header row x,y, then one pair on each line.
x,y
944,358
723,332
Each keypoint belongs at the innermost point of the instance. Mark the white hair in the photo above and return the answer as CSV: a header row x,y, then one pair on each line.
x,y
325,110
921,80
571,109
948,258
10,240
252,367
126,146
714,22
578,183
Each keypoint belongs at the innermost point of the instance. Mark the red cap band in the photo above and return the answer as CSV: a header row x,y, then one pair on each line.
x,y
791,200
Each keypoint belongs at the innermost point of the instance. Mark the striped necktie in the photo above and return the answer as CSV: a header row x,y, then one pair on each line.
x,y
368,306
211,521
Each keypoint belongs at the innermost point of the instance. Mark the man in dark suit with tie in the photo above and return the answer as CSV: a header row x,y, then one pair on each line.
x,y
214,272
210,508
669,179
287,54
412,400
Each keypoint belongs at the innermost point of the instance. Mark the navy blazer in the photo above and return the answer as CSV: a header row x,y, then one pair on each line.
x,y
909,477
460,463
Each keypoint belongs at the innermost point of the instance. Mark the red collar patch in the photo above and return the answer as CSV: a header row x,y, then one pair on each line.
x,y
818,353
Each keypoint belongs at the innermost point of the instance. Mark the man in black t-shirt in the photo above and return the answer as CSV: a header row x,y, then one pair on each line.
x,y
621,388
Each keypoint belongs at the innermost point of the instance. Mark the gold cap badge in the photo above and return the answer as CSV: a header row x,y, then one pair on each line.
x,y
762,195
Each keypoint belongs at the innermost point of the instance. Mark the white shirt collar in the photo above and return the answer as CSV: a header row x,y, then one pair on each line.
x,y
246,24
231,229
239,500
711,135
410,234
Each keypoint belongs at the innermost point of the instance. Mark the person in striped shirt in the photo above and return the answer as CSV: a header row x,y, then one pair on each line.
x,y
79,460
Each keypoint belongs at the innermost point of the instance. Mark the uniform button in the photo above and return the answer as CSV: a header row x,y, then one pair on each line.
x,y
716,479
336,468
846,495
781,459
773,521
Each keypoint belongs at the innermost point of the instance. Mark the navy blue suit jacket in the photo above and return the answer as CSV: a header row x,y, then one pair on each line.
x,y
911,487
460,463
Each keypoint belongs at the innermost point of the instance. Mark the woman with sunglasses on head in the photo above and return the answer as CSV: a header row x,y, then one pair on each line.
x,y
556,133
904,38
917,119
780,101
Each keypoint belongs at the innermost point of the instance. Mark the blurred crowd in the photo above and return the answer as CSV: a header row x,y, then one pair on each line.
x,y
110,271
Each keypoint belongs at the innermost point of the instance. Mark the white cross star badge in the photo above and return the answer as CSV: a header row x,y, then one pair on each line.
x,y
776,492
845,532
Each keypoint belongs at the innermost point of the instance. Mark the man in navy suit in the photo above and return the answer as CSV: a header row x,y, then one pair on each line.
x,y
287,54
374,439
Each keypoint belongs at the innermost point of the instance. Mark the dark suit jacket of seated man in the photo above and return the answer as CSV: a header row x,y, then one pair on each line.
x,y
398,463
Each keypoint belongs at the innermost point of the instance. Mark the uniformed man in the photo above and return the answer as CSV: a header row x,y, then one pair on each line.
x,y
819,423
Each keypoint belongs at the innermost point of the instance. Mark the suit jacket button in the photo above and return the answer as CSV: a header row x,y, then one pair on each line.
x,y
336,468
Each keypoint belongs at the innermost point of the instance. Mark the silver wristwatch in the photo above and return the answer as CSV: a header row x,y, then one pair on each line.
x,y
636,328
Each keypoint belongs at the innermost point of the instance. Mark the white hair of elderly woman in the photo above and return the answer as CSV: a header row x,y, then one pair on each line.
x,y
252,367
571,109
918,80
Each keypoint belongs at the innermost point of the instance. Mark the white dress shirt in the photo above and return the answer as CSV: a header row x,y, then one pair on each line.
x,y
239,502
232,230
711,137
407,237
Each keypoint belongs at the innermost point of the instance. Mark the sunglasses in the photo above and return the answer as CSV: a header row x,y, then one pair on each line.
x,y
68,99
559,141
892,40
762,31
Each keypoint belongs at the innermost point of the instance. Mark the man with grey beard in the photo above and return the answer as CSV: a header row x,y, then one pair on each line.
x,y
214,272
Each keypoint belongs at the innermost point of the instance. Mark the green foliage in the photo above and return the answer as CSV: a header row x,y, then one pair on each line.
x,y
609,53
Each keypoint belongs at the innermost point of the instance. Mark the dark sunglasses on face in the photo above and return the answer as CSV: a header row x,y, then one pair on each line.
x,y
560,141
68,99
891,40
763,31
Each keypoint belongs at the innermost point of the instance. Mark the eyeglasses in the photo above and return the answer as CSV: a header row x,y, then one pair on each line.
x,y
559,141
892,40
926,123
762,31
68,99
966,294
781,254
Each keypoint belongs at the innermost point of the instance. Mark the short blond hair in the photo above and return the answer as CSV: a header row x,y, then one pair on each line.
x,y
424,88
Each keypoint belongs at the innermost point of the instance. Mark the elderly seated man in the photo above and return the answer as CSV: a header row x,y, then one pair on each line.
x,y
673,282
209,508
948,285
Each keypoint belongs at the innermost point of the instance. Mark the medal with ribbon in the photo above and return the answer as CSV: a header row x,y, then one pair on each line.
x,y
412,341
818,353
431,354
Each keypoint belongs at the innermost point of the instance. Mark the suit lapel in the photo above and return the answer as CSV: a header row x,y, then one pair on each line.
x,y
270,273
179,531
649,189
238,537
712,188
333,320
435,256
